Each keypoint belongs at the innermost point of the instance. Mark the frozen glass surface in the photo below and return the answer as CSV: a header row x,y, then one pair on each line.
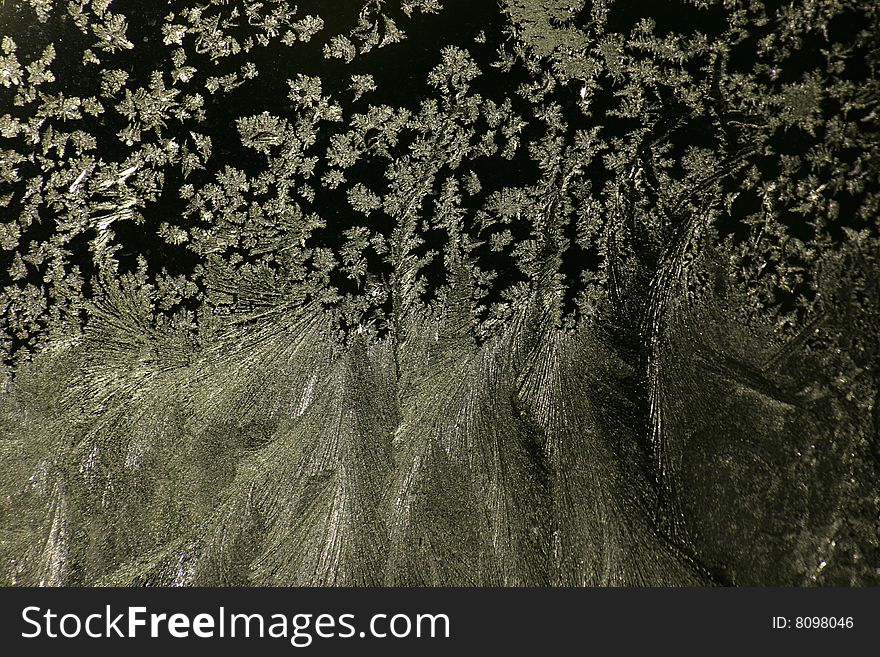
x,y
439,292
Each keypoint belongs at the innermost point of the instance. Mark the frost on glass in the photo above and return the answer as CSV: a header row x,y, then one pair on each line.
x,y
439,293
